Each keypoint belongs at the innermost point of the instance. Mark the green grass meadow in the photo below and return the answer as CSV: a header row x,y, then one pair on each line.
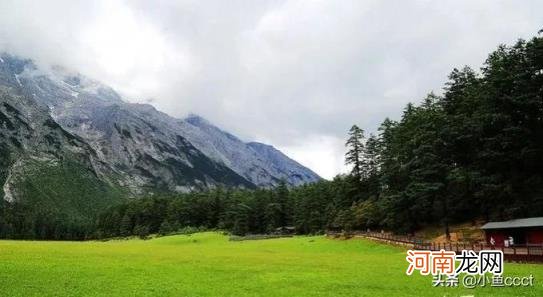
x,y
208,264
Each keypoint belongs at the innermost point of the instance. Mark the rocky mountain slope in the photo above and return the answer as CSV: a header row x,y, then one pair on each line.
x,y
129,146
247,159
47,170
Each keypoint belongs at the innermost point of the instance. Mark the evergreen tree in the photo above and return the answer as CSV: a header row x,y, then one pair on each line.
x,y
355,152
125,227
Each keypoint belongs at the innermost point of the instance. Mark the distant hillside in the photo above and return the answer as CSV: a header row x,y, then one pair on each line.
x,y
48,175
150,150
71,147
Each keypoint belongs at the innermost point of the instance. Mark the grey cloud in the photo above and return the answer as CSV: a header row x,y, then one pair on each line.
x,y
294,73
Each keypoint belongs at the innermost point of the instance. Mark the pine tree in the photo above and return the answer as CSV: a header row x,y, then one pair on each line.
x,y
126,226
355,153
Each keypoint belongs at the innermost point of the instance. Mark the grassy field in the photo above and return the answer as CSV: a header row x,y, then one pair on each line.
x,y
207,264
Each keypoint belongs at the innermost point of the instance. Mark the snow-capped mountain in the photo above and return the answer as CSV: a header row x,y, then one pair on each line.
x,y
139,148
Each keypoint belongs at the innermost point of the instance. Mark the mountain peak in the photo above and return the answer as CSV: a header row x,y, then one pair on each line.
x,y
148,149
197,120
260,144
297,173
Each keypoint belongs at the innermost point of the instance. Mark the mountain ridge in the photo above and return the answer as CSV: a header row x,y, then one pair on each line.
x,y
147,150
71,147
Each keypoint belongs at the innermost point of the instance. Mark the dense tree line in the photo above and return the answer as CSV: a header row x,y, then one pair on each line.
x,y
310,208
19,221
474,152
241,211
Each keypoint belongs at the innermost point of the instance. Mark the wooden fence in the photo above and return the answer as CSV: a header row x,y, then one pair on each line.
x,y
516,253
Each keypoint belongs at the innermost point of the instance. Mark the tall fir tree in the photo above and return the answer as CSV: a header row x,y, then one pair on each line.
x,y
355,153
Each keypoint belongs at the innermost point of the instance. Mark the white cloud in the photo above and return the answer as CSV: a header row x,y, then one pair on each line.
x,y
324,153
295,73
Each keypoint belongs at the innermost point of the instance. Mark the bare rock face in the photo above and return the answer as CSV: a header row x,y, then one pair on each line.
x,y
128,146
46,169
261,164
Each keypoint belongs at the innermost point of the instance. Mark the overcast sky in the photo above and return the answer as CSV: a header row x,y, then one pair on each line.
x,y
294,74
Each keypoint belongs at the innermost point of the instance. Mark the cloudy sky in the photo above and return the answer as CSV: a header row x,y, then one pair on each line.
x,y
295,74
